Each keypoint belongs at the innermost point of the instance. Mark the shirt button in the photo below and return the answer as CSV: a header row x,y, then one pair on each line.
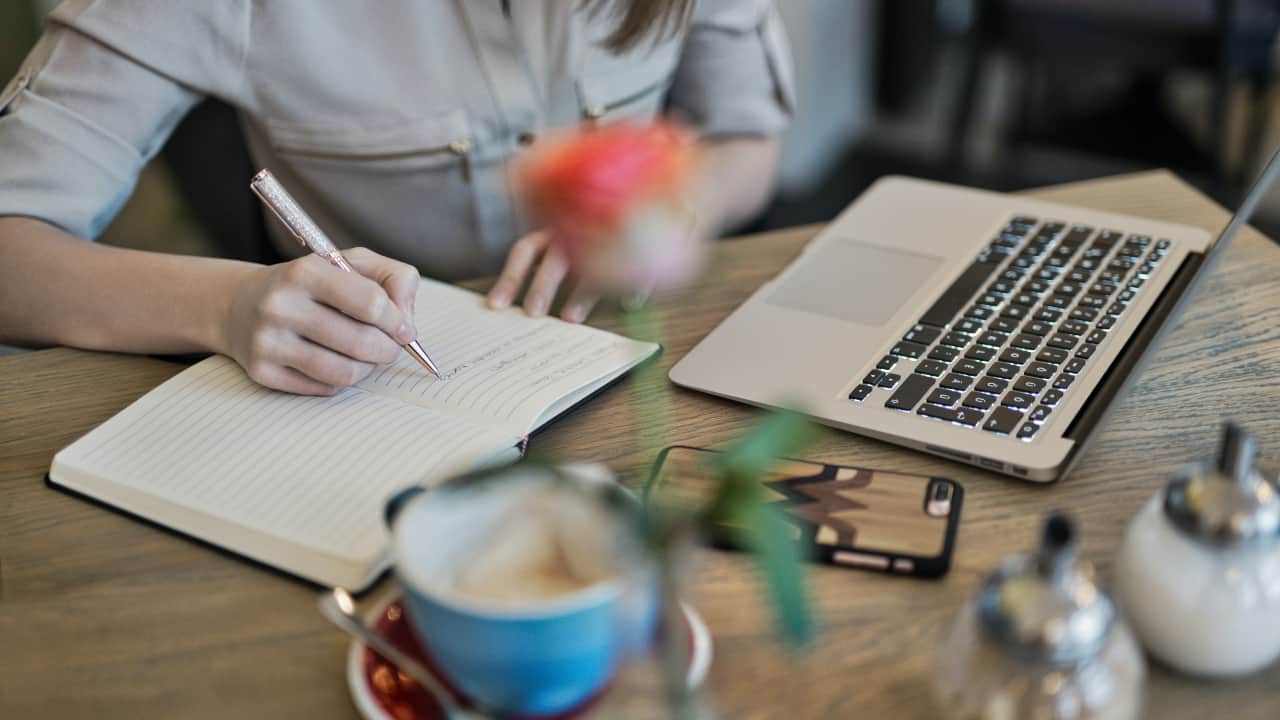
x,y
526,138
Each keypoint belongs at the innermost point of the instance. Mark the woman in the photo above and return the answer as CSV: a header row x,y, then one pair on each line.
x,y
393,123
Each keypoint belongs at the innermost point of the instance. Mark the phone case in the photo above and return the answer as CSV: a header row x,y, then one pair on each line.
x,y
853,517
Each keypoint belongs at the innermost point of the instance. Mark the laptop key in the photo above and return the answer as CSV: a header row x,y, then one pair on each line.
x,y
1027,430
1002,421
980,401
1063,382
969,367
981,312
887,362
1063,341
931,367
1048,315
993,339
908,396
1053,355
1074,327
1016,356
1003,370
980,352
1039,415
1026,342
1035,327
1003,324
967,326
944,354
944,397
1032,385
1096,337
992,385
1017,400
873,377
955,381
964,416
908,349
889,380
922,334
1075,366
1041,370
1084,314
1014,312
860,393
1086,351
1051,398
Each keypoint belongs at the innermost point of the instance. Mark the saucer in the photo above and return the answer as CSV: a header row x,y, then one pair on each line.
x,y
380,692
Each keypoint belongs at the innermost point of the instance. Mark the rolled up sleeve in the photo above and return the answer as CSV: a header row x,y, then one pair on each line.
x,y
735,75
77,124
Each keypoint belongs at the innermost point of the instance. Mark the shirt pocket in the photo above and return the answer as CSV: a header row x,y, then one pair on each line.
x,y
410,189
633,90
439,143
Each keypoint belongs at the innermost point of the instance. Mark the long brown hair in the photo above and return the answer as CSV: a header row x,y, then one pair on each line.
x,y
641,19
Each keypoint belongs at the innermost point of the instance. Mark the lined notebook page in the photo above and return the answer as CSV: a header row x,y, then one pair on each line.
x,y
314,472
501,368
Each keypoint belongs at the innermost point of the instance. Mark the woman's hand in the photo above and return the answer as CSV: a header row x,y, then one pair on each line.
x,y
307,327
536,249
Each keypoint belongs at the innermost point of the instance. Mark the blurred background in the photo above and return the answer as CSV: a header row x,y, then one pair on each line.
x,y
1003,94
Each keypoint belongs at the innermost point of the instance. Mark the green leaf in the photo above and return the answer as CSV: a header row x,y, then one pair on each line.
x,y
778,435
769,536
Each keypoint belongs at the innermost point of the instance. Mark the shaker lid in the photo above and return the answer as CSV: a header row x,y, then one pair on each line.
x,y
1228,503
1044,607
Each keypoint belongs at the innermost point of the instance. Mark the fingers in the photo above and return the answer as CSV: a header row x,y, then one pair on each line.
x,y
321,364
524,253
356,296
329,328
285,379
580,302
399,280
542,290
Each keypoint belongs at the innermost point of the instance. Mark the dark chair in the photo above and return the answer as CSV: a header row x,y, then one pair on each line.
x,y
209,158
1053,41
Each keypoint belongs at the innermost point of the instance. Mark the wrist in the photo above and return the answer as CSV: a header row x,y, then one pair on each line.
x,y
215,316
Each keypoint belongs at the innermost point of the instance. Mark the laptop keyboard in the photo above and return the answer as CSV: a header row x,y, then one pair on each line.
x,y
1001,348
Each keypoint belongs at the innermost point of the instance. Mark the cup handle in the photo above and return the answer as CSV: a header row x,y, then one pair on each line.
x,y
396,503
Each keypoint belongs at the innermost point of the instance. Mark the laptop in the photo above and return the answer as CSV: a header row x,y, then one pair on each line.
x,y
987,328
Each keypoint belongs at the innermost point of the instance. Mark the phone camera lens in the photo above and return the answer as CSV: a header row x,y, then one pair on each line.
x,y
942,492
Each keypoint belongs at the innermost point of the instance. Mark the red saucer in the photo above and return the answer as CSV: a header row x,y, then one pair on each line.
x,y
381,692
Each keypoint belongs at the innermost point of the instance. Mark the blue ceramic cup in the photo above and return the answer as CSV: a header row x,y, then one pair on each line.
x,y
539,654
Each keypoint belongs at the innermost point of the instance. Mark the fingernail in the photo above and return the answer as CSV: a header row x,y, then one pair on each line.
x,y
576,314
535,305
498,301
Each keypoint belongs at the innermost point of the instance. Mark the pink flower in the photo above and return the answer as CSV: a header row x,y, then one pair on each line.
x,y
612,198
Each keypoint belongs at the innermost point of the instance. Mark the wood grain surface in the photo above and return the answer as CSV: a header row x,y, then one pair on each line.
x,y
105,616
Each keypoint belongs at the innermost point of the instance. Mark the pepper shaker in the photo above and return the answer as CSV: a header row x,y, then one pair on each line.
x,y
1040,640
1199,571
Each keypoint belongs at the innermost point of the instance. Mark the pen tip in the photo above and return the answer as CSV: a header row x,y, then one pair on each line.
x,y
415,349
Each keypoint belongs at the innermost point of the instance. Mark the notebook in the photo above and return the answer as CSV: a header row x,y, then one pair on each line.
x,y
299,482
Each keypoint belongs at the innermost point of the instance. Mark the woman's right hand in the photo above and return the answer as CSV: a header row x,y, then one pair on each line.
x,y
307,327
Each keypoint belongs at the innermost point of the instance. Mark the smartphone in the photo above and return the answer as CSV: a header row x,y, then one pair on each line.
x,y
848,516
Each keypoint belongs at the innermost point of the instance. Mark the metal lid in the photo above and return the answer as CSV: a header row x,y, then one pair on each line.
x,y
1229,503
1044,607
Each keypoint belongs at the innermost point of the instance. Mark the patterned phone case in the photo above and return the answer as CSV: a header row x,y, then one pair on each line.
x,y
854,517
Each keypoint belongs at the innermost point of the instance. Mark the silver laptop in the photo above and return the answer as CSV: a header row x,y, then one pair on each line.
x,y
987,328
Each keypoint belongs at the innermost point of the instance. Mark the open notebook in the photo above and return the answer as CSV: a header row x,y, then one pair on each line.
x,y
298,482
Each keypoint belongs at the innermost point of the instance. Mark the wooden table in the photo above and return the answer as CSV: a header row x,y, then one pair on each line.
x,y
103,616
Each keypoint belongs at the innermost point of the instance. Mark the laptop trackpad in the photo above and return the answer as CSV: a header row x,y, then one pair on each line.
x,y
865,284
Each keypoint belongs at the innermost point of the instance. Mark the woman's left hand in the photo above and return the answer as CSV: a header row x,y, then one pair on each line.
x,y
536,250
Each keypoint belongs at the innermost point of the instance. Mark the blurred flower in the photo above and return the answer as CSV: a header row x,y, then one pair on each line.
x,y
612,198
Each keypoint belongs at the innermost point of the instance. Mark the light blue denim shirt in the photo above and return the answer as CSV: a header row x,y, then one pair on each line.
x,y
393,122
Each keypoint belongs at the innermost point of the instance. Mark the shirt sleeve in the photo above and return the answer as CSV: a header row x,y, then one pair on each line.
x,y
735,76
82,117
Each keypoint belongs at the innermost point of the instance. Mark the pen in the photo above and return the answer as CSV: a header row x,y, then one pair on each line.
x,y
304,229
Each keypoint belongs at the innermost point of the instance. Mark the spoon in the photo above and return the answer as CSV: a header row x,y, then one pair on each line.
x,y
340,610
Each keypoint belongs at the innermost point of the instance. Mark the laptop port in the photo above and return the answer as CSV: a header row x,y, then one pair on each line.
x,y
993,464
946,451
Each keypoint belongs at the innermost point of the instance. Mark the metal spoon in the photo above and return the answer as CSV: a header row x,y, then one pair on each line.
x,y
340,609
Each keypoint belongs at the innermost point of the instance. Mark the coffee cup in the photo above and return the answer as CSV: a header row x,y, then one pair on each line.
x,y
525,588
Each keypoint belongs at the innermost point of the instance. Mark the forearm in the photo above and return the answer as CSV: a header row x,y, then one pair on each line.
x,y
736,182
56,289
